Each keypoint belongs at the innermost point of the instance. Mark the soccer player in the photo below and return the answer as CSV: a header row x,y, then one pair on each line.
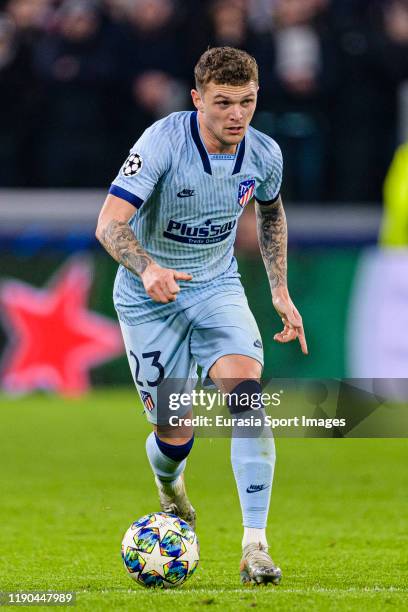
x,y
170,220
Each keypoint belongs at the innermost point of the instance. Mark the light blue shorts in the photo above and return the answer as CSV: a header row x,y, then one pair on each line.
x,y
169,349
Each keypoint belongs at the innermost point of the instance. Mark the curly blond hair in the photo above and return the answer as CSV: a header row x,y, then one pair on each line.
x,y
225,65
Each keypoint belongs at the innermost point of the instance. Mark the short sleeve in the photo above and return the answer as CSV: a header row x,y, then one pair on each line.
x,y
269,189
148,160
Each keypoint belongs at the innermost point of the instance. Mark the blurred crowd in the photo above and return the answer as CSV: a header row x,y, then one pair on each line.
x,y
81,79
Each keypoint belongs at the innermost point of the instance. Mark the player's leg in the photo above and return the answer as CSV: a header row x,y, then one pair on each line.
x,y
226,343
168,461
253,463
160,362
252,449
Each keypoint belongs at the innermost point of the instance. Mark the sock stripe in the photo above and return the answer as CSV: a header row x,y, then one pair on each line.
x,y
177,452
246,390
166,469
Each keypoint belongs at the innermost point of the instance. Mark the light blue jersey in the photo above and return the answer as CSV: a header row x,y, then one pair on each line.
x,y
188,205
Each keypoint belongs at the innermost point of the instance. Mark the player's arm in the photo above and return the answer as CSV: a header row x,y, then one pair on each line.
x,y
273,239
116,236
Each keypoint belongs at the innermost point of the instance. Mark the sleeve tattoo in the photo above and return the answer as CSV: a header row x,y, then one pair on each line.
x,y
273,237
120,242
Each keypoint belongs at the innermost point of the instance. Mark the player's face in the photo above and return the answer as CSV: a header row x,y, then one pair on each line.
x,y
225,112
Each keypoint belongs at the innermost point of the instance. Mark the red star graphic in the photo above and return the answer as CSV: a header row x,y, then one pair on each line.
x,y
54,339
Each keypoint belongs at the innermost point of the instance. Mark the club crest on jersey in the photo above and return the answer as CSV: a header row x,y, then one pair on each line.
x,y
132,165
245,192
147,400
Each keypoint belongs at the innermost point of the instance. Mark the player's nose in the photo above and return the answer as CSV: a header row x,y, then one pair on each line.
x,y
236,113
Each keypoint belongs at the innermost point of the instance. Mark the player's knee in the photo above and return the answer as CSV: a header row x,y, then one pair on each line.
x,y
247,395
173,449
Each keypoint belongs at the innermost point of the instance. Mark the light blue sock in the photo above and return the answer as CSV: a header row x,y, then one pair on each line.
x,y
165,469
253,463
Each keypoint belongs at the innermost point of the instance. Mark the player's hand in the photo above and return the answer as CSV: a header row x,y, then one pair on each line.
x,y
291,319
160,283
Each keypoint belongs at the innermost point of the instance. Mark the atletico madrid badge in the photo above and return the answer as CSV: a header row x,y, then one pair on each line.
x,y
245,192
147,400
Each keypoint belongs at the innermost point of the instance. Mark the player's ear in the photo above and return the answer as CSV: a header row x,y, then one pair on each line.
x,y
197,100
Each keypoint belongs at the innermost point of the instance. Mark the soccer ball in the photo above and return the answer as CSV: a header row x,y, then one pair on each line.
x,y
160,550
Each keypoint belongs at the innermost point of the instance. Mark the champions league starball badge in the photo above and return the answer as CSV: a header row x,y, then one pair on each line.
x,y
132,165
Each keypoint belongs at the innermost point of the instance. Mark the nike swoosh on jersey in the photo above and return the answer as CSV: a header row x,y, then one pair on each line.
x,y
185,193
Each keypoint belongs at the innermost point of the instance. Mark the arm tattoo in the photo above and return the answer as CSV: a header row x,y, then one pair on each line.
x,y
273,237
120,242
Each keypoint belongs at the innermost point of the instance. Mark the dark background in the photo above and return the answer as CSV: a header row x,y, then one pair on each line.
x,y
81,80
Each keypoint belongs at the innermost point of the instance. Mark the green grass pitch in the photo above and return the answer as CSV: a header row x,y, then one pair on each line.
x,y
74,475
